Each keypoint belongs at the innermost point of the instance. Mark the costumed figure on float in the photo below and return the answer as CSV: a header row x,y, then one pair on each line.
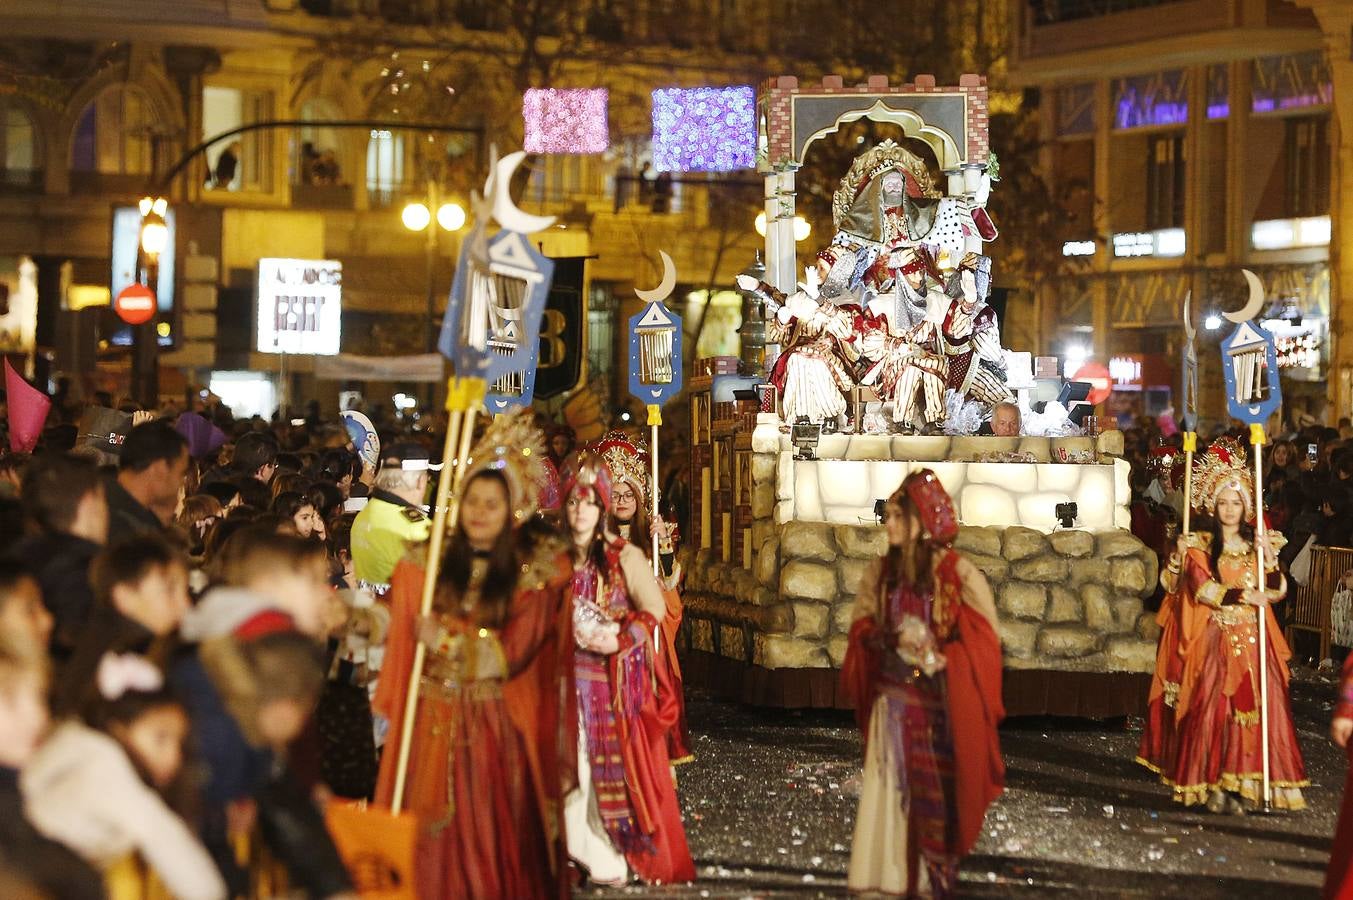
x,y
623,816
1204,737
494,707
923,669
815,328
630,501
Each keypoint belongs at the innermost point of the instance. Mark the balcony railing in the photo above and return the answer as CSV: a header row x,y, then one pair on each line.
x,y
1048,12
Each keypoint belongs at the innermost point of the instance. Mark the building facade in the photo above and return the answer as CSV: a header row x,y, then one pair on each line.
x,y
1186,140
388,101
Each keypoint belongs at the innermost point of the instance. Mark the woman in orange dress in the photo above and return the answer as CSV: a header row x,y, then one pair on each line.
x,y
485,775
1216,758
631,500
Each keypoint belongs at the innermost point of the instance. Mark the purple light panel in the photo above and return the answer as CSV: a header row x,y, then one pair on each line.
x,y
706,129
566,120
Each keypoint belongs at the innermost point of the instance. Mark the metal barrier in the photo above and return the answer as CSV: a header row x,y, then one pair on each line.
x,y
1311,603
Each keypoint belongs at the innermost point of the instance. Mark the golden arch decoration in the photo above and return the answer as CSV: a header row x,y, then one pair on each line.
x,y
912,124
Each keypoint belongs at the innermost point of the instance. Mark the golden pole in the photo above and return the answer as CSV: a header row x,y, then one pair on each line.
x,y
463,395
654,420
1190,448
1260,532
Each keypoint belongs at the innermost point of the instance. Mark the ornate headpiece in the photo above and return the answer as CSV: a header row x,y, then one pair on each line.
x,y
514,447
1221,468
1167,465
589,478
626,460
874,162
933,505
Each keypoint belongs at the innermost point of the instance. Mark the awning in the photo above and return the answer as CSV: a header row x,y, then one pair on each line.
x,y
424,367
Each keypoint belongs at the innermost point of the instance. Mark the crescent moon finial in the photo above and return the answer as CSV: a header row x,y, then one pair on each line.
x,y
663,290
504,210
1255,304
1189,330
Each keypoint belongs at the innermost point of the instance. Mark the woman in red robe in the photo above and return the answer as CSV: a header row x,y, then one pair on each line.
x,y
1214,756
623,817
631,501
924,671
1339,875
486,776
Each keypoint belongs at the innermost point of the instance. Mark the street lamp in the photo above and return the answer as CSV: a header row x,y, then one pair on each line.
x,y
802,227
145,344
417,216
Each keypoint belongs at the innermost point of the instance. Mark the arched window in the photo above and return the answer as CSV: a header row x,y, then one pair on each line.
x,y
18,148
384,167
114,134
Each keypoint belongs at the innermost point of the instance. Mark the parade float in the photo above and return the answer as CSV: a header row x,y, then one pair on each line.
x,y
883,356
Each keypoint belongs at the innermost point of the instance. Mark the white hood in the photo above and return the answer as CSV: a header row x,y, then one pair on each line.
x,y
221,611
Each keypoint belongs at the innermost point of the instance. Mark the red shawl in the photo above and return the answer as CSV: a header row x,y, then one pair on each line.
x,y
973,671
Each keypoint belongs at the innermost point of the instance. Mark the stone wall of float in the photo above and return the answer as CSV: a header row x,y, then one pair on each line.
x,y
1067,601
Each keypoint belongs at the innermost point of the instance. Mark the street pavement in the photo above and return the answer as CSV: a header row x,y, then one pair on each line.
x,y
770,800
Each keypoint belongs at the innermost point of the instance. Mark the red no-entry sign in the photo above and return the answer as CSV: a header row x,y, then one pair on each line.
x,y
135,304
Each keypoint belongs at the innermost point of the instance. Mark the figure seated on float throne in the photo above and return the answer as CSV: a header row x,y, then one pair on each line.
x,y
901,308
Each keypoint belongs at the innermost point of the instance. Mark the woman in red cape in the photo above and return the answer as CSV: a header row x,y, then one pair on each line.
x,y
1339,875
631,501
486,773
623,816
1215,755
924,671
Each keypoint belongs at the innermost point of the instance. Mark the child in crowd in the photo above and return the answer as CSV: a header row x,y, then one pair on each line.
x,y
140,597
23,619
299,509
38,860
272,588
101,783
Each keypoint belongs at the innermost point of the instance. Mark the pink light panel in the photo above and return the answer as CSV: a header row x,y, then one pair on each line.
x,y
566,120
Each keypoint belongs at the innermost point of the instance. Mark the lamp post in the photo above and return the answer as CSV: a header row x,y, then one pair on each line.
x,y
449,216
145,343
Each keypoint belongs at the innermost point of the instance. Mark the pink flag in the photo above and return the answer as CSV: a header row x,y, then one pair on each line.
x,y
28,408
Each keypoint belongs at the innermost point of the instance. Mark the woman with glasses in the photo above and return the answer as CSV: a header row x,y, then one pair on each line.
x,y
623,817
632,519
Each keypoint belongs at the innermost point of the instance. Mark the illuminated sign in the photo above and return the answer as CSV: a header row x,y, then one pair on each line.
x,y
299,306
1281,234
1125,370
1078,248
1166,242
1300,351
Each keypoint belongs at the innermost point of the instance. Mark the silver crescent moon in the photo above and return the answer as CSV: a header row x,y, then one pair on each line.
x,y
663,290
504,210
1189,330
1256,301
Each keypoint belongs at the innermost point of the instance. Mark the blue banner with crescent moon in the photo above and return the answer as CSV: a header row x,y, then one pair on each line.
x,y
1250,367
655,355
492,325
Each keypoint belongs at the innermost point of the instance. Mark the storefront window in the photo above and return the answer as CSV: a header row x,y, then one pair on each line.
x,y
1296,81
1076,110
1142,101
1218,91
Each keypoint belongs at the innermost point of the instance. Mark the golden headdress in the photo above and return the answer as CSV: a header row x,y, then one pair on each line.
x,y
627,460
1222,467
514,447
884,157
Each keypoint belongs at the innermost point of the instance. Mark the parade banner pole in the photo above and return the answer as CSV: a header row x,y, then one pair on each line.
x,y
655,368
1253,394
1260,535
1189,400
463,396
655,420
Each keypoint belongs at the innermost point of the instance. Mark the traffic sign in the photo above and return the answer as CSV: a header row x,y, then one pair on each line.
x,y
135,304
